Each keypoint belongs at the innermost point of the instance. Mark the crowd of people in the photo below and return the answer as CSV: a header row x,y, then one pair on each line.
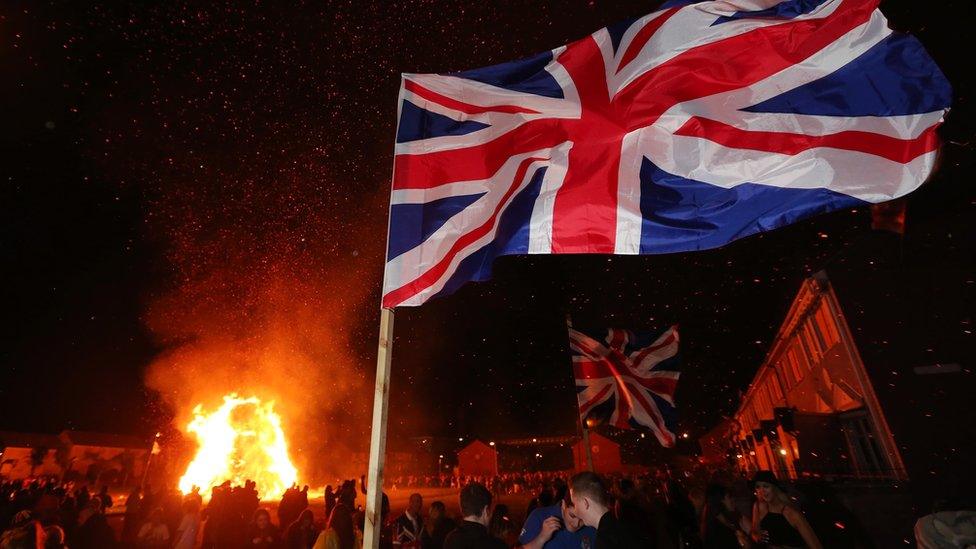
x,y
581,511
43,513
502,484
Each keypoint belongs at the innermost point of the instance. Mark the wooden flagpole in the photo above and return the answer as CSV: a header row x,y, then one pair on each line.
x,y
377,439
582,423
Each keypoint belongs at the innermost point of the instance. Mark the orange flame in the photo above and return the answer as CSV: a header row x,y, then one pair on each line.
x,y
241,440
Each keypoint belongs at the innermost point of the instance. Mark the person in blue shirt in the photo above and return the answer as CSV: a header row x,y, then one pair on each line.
x,y
557,527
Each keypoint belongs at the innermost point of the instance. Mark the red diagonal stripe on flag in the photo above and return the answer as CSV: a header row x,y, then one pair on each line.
x,y
433,274
672,335
892,148
584,409
428,170
733,63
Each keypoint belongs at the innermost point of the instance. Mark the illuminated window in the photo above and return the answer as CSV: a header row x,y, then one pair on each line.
x,y
786,375
800,359
827,326
814,351
775,391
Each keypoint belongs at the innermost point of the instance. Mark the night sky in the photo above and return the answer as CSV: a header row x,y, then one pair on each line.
x,y
179,174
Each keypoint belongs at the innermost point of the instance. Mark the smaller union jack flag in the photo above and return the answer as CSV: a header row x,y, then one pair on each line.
x,y
627,379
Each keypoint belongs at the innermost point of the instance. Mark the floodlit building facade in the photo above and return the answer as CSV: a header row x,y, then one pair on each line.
x,y
811,409
870,378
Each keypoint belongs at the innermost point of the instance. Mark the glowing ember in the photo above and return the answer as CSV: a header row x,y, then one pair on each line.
x,y
241,440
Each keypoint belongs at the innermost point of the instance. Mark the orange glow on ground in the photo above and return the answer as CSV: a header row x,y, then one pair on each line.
x,y
241,440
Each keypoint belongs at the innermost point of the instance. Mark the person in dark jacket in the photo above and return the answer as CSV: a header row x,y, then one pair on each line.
x,y
105,497
473,533
341,519
94,531
721,524
133,516
439,525
409,527
330,501
591,501
301,533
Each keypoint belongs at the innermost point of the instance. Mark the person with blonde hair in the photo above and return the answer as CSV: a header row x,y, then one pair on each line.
x,y
776,522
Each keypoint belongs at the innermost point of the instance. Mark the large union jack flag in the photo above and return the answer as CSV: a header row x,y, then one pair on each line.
x,y
682,130
627,380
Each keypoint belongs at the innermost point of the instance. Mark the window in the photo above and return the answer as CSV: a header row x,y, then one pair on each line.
x,y
867,457
824,328
761,402
802,358
827,325
814,350
775,391
794,365
786,374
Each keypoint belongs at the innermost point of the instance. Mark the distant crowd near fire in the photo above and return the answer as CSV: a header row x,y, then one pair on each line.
x,y
705,506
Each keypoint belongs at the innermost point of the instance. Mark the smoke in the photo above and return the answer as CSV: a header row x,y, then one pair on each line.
x,y
256,157
272,301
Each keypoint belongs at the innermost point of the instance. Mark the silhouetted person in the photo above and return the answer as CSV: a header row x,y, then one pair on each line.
x,y
154,534
195,496
473,533
186,533
93,529
68,516
330,500
630,508
55,537
301,533
341,518
501,526
132,519
439,525
720,524
290,506
682,515
262,534
82,496
106,498
591,502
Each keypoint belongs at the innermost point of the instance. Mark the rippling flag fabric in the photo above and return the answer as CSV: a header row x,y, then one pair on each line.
x,y
627,379
682,130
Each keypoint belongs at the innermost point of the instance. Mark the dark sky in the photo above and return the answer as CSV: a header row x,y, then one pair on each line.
x,y
147,148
